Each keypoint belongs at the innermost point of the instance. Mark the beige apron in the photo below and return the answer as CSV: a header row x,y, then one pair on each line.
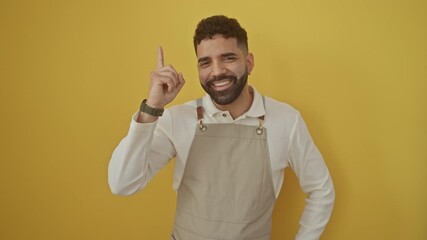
x,y
226,191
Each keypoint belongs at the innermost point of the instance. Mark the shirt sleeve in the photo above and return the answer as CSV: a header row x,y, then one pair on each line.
x,y
140,155
314,179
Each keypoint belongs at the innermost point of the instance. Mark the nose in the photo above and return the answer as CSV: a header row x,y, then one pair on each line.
x,y
218,68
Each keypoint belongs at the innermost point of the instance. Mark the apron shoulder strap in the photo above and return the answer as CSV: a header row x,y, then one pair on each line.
x,y
199,109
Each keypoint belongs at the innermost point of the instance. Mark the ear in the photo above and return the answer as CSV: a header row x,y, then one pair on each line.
x,y
250,62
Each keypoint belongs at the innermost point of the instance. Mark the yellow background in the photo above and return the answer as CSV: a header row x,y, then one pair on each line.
x,y
73,72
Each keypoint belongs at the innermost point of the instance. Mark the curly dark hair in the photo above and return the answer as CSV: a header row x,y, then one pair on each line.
x,y
220,24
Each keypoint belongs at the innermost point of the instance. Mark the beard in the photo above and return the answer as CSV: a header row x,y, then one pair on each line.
x,y
228,95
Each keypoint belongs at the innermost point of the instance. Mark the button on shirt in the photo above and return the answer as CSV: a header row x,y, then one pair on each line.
x,y
148,147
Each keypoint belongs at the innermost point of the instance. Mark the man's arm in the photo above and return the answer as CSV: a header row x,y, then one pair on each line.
x,y
147,147
140,155
315,180
165,85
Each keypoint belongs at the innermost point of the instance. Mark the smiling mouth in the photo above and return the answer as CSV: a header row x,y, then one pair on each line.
x,y
221,85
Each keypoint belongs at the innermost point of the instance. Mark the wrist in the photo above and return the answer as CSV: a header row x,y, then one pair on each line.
x,y
152,110
154,104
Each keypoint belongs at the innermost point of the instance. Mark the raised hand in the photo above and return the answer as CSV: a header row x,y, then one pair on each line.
x,y
165,83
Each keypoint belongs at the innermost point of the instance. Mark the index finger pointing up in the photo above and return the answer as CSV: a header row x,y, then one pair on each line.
x,y
160,62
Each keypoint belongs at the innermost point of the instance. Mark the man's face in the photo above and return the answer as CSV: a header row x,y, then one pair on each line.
x,y
223,68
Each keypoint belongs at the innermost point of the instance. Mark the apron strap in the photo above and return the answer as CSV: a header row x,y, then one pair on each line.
x,y
202,126
199,109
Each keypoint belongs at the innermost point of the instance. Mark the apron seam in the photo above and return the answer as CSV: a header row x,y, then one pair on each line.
x,y
270,171
218,221
233,137
189,231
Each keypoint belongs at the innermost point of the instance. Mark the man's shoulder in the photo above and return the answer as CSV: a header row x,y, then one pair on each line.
x,y
274,105
185,108
188,104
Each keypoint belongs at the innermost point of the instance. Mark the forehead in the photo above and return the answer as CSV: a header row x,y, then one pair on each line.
x,y
216,46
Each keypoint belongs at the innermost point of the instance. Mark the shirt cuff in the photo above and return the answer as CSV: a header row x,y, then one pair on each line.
x,y
137,127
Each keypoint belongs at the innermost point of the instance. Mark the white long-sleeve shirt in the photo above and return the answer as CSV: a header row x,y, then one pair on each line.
x,y
148,147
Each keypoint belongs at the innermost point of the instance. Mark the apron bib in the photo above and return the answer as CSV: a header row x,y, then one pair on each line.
x,y
226,191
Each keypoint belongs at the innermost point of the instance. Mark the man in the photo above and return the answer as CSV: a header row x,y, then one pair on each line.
x,y
231,146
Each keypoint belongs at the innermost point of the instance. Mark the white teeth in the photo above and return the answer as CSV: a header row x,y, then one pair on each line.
x,y
220,84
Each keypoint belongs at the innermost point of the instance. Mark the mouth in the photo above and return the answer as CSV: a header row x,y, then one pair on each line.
x,y
221,85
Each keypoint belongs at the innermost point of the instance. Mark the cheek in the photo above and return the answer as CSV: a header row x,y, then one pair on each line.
x,y
238,71
203,75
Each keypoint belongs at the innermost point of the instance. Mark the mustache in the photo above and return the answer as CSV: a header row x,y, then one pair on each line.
x,y
219,78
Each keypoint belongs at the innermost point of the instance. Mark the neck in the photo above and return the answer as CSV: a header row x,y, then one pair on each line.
x,y
240,105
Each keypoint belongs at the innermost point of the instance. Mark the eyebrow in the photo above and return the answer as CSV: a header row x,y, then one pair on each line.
x,y
203,59
229,54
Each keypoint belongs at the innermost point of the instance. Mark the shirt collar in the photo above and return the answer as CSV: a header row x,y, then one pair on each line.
x,y
256,110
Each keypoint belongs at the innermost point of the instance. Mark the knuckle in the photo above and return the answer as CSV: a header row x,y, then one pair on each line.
x,y
153,73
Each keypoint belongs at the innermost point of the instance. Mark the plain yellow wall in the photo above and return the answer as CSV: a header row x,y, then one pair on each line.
x,y
73,72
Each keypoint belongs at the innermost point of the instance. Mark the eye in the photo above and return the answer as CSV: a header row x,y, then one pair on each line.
x,y
229,59
203,64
